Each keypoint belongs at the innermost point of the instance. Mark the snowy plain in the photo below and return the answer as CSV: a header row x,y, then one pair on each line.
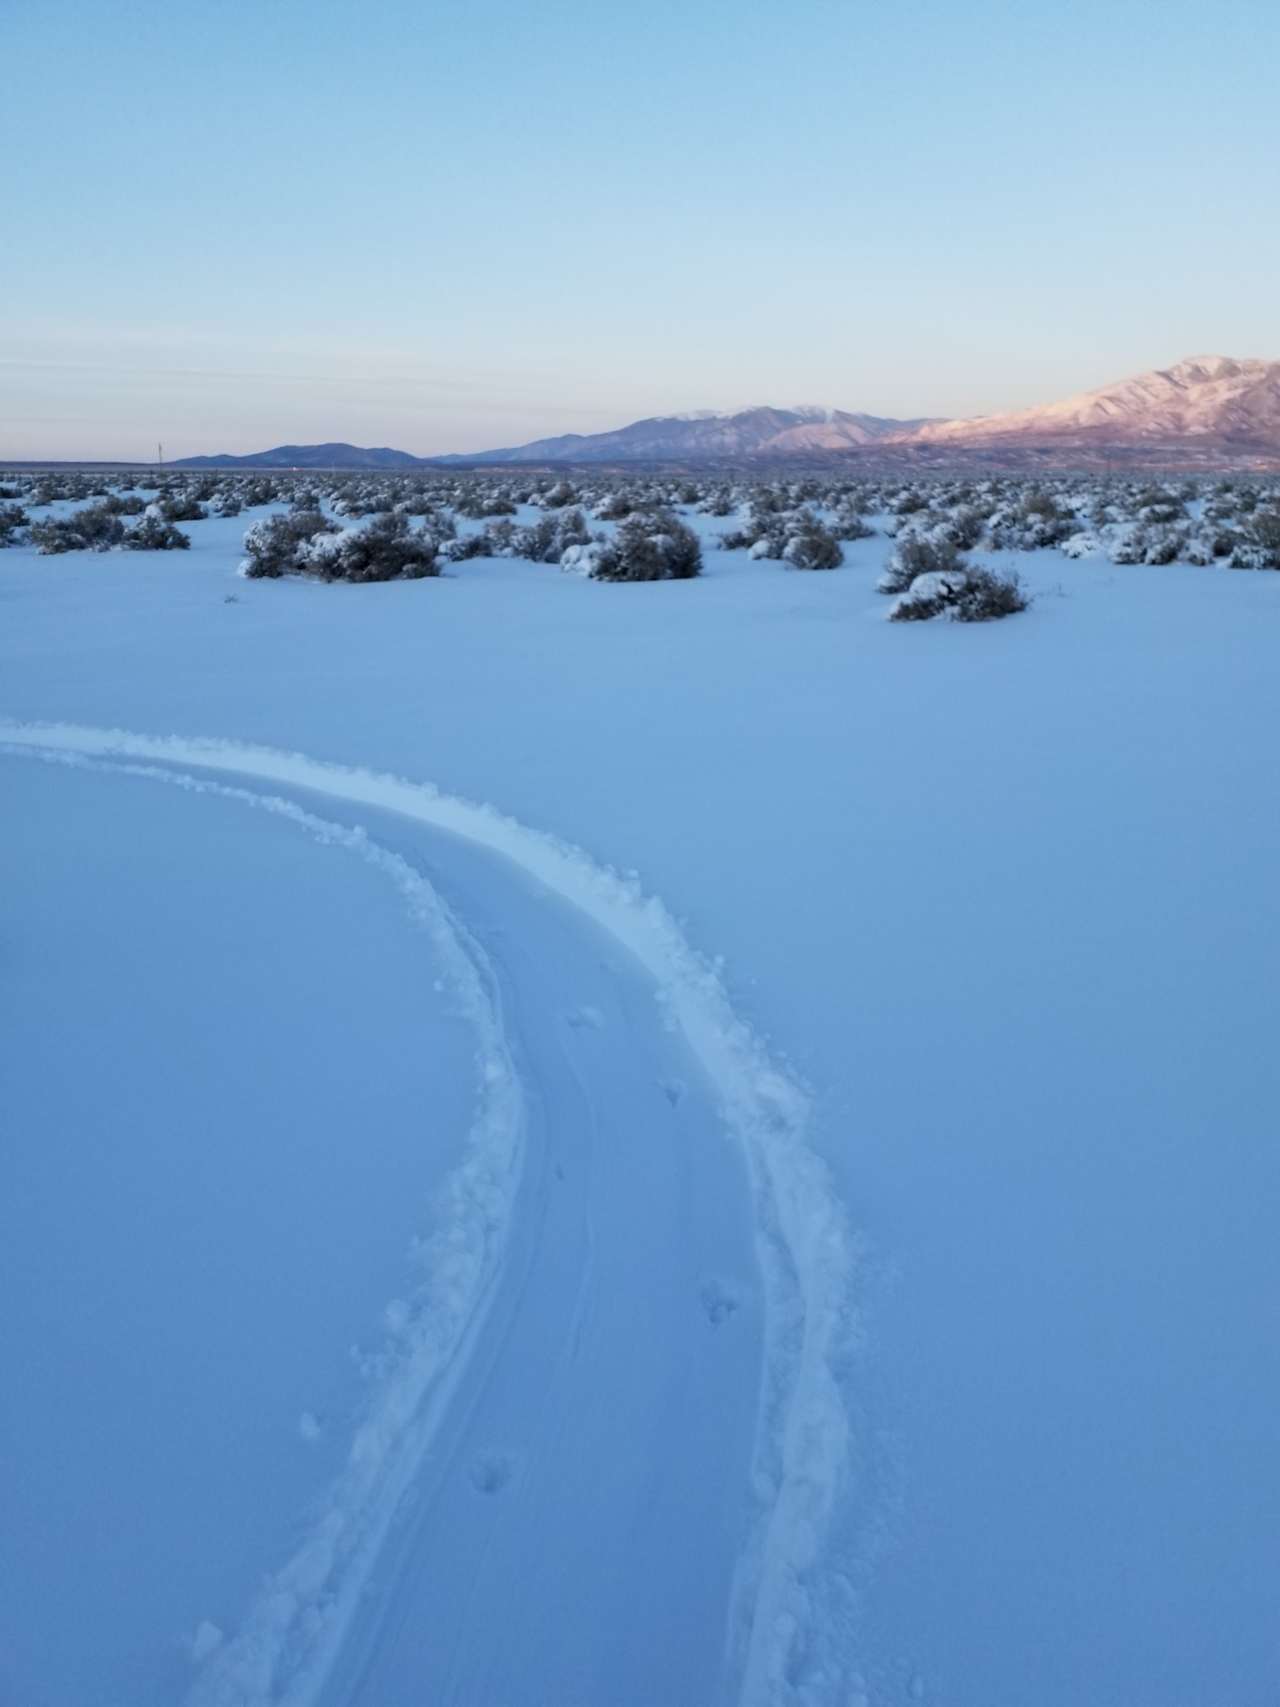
x,y
999,899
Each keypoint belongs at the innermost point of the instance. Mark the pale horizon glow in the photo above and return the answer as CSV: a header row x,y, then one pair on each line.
x,y
455,228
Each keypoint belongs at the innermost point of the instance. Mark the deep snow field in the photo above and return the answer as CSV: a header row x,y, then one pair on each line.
x,y
829,1262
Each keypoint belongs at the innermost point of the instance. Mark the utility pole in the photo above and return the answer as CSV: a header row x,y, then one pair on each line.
x,y
160,456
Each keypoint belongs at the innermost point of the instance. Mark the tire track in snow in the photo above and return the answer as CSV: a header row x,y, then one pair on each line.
x,y
295,1629
787,1642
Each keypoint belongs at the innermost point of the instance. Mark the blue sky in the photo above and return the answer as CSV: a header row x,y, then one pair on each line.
x,y
449,226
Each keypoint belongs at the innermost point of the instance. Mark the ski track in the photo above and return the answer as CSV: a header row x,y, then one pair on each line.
x,y
788,1637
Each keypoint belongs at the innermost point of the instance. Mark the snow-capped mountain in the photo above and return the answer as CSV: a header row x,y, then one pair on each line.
x,y
1206,405
1207,410
704,435
1205,398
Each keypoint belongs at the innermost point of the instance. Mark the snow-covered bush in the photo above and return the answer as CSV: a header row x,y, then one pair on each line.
x,y
1030,520
583,559
464,546
847,523
182,508
811,546
651,545
964,526
1143,542
153,533
1157,505
764,532
388,549
1082,544
95,528
740,539
131,505
500,538
1127,543
479,505
275,545
261,489
965,594
1164,544
547,539
916,555
790,535
12,518
1258,546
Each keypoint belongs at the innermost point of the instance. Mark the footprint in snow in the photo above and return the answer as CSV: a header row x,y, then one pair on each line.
x,y
586,1019
719,1301
491,1471
674,1091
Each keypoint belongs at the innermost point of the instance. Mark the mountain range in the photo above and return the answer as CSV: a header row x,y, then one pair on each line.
x,y
1211,411
1210,399
709,435
310,456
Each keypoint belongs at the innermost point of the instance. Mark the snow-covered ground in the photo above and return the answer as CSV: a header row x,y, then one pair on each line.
x,y
926,1350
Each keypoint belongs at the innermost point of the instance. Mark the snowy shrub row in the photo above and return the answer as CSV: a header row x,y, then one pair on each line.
x,y
305,542
544,541
98,527
650,545
794,536
801,520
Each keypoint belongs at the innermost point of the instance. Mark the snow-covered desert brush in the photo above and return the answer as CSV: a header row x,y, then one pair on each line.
x,y
916,555
650,545
964,594
610,524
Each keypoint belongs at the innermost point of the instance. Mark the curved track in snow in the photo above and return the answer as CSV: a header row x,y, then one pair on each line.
x,y
549,1499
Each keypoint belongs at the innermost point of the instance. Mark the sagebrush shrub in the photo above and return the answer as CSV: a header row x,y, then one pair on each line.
x,y
1263,535
182,508
916,555
153,533
650,545
812,546
967,594
12,517
95,528
276,543
388,549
